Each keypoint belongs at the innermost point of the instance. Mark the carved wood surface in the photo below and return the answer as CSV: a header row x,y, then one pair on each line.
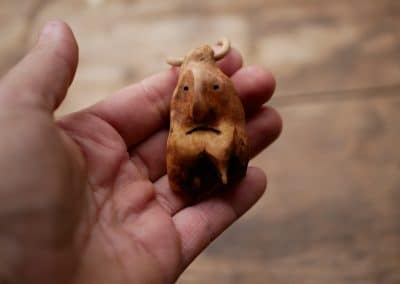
x,y
331,213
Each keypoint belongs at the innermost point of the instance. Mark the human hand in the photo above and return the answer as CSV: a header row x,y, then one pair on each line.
x,y
85,199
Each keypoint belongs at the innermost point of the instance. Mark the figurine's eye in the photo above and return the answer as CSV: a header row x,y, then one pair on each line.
x,y
186,88
215,87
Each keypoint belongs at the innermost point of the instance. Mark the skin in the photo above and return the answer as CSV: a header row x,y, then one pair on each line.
x,y
85,199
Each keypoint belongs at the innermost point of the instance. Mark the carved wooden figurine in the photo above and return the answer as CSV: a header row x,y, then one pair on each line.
x,y
207,144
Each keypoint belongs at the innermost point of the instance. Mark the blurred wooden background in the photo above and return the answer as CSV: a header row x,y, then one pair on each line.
x,y
332,211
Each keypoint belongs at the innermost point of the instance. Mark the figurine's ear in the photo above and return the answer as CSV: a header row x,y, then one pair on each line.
x,y
225,47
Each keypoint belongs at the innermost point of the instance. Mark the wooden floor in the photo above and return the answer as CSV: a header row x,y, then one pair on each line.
x,y
332,212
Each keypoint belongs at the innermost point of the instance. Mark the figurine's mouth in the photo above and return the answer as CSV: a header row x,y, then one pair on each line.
x,y
203,128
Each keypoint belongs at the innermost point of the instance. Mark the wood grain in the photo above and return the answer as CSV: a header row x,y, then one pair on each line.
x,y
311,46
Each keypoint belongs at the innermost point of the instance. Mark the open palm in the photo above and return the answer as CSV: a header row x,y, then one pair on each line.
x,y
131,228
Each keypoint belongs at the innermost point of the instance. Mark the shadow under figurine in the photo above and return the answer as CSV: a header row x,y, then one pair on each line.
x,y
207,146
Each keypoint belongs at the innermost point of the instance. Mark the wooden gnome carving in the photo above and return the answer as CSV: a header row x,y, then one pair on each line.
x,y
207,145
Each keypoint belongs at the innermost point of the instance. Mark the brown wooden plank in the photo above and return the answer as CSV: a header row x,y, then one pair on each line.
x,y
331,213
317,46
311,46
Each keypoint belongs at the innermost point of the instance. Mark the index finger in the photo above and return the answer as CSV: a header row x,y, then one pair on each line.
x,y
139,110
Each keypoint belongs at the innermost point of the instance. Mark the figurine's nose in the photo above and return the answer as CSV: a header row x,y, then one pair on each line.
x,y
201,111
198,109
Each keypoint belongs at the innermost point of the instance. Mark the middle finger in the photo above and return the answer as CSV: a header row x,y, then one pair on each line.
x,y
254,85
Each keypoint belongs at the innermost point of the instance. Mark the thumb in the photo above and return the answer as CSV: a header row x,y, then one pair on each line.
x,y
41,79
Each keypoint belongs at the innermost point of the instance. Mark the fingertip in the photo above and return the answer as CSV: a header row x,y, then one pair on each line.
x,y
56,28
174,70
60,36
263,128
257,183
255,86
42,78
271,119
263,78
279,123
255,79
232,62
259,175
